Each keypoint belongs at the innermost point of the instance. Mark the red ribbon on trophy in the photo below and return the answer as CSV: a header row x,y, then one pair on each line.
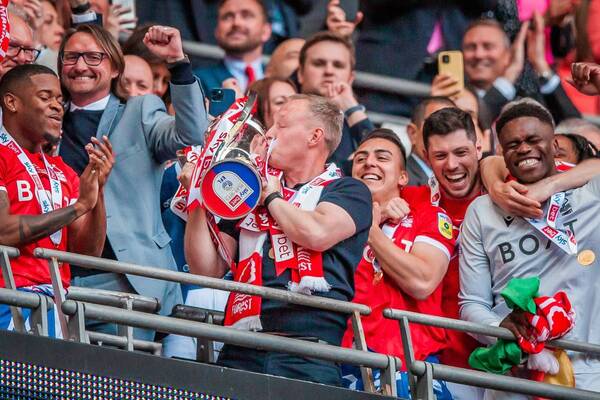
x,y
5,29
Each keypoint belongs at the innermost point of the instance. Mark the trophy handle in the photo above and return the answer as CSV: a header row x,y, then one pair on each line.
x,y
242,119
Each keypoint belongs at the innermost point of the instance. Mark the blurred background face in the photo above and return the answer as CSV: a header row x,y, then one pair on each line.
x,y
416,133
51,31
528,149
285,59
454,159
486,55
241,26
467,102
137,77
565,150
278,94
326,63
21,46
378,164
161,76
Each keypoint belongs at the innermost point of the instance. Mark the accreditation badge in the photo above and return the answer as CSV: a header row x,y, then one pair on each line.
x,y
445,225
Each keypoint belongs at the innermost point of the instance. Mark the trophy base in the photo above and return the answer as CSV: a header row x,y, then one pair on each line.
x,y
231,189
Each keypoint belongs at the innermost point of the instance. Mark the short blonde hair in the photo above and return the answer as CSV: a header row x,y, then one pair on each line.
x,y
328,114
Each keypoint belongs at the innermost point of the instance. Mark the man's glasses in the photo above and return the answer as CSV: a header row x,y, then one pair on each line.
x,y
91,58
30,54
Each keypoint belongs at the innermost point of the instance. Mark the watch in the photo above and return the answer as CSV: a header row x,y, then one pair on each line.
x,y
184,60
545,76
353,109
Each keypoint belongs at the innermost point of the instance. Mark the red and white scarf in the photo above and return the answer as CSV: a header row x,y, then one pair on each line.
x,y
306,265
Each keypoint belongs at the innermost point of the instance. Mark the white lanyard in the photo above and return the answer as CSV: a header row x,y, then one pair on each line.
x,y
558,234
46,204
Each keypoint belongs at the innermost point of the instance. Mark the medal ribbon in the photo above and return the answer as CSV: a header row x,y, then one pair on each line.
x,y
46,204
550,227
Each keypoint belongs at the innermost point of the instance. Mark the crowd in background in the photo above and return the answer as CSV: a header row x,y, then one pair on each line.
x,y
127,84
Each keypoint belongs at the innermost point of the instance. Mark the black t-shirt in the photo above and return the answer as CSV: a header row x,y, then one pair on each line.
x,y
339,265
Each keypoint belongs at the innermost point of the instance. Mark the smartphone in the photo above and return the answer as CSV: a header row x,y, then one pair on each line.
x,y
220,100
350,8
451,63
130,4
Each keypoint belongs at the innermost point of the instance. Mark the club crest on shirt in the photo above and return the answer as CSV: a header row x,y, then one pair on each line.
x,y
445,225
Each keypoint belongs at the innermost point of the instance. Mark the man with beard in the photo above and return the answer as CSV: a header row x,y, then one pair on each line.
x,y
404,262
497,246
242,30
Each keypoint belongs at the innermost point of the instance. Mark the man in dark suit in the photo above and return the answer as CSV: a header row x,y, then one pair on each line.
x,y
492,67
401,39
417,165
242,30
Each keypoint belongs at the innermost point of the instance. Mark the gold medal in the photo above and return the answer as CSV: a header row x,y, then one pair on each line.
x,y
586,257
378,276
271,254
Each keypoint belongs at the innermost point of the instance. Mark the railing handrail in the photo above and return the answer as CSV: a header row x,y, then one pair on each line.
x,y
112,298
12,252
19,298
229,335
504,383
487,330
287,296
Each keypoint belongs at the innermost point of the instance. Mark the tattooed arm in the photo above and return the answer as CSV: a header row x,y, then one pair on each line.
x,y
19,230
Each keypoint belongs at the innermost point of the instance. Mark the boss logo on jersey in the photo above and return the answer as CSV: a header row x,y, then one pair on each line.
x,y
530,244
445,225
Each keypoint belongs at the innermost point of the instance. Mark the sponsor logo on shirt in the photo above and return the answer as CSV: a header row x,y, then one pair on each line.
x,y
445,225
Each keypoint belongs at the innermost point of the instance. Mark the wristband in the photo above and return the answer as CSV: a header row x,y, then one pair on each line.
x,y
353,109
271,197
80,9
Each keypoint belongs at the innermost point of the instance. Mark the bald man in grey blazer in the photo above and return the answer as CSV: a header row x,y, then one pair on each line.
x,y
144,136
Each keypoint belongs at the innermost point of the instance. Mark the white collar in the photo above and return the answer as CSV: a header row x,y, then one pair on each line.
x,y
98,105
239,65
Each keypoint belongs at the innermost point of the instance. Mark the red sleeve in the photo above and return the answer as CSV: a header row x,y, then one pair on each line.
x,y
72,180
416,194
435,228
3,175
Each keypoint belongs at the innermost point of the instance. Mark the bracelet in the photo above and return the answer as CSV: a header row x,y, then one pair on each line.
x,y
353,109
184,60
271,197
80,9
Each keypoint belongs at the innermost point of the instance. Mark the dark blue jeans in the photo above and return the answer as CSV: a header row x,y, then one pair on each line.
x,y
280,364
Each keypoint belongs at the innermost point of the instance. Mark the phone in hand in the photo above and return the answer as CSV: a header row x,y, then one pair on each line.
x,y
130,15
350,8
220,99
451,63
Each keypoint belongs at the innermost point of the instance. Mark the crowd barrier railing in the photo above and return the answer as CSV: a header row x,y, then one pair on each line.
x,y
363,80
422,373
55,257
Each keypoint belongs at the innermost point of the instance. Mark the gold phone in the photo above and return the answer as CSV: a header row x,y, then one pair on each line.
x,y
451,63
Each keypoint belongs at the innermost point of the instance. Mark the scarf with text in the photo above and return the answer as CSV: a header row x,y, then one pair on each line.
x,y
305,265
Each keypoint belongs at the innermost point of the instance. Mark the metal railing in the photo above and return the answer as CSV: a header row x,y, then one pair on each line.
x,y
421,374
256,340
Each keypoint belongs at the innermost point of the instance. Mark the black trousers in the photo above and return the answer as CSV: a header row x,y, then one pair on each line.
x,y
280,364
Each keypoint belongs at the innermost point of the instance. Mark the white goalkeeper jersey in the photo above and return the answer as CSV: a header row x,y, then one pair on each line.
x,y
496,247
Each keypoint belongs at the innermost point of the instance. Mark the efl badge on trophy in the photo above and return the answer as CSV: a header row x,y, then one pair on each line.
x,y
231,185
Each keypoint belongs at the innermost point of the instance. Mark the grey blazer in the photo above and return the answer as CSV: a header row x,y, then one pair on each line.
x,y
144,136
416,175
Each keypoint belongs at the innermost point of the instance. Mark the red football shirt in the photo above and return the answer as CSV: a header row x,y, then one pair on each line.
x,y
425,224
460,345
17,183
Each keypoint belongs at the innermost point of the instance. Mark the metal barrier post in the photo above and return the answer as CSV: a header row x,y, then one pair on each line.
x,y
127,330
388,378
38,320
77,324
9,282
409,354
205,348
361,344
425,384
59,295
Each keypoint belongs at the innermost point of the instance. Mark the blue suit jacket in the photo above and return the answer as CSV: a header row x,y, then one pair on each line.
x,y
144,136
212,77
